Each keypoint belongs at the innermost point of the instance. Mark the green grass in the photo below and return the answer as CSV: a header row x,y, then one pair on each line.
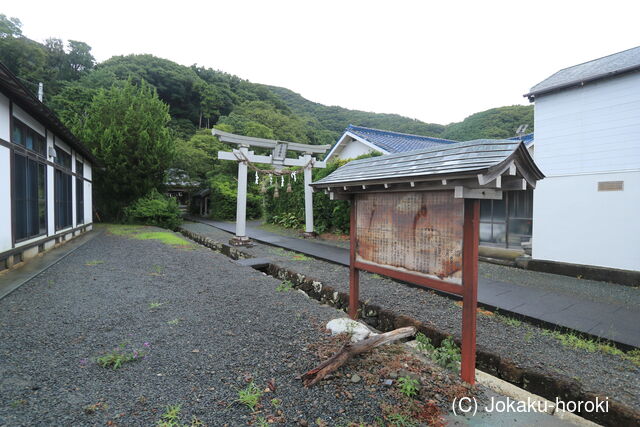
x,y
290,254
171,418
173,322
166,237
250,396
118,357
576,342
94,262
508,320
124,230
141,233
154,305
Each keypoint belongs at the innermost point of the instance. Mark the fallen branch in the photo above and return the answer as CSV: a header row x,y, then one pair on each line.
x,y
349,350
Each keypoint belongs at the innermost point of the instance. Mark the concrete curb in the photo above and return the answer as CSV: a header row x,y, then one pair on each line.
x,y
12,279
507,389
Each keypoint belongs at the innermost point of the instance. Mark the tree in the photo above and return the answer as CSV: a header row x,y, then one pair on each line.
x,y
80,58
10,27
126,129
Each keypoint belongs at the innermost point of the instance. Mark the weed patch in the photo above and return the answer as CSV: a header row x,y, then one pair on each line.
x,y
172,418
447,355
119,356
166,237
284,286
250,396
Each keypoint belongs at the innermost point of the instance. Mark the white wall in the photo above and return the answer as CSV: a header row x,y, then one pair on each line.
x,y
5,132
5,199
5,177
574,222
584,136
594,128
354,149
27,119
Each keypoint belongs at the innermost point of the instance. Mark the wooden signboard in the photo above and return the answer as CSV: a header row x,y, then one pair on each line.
x,y
427,238
420,232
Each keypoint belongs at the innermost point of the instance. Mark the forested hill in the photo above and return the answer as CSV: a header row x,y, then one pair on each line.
x,y
500,122
201,97
336,118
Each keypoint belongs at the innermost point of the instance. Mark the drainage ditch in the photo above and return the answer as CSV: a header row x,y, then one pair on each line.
x,y
536,382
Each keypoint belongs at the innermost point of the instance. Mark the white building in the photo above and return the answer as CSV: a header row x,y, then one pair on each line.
x,y
587,124
45,176
504,223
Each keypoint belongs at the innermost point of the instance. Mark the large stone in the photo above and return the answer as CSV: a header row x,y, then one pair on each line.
x,y
356,330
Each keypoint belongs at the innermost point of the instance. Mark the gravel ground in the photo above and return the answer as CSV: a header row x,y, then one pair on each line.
x,y
205,326
527,345
625,296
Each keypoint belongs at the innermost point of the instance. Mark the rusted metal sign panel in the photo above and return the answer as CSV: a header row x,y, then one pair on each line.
x,y
416,231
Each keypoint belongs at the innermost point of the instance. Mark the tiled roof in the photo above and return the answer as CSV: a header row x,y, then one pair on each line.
x,y
464,158
395,142
12,87
617,63
527,139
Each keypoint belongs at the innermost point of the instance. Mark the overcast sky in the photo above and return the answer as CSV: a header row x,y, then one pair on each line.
x,y
437,61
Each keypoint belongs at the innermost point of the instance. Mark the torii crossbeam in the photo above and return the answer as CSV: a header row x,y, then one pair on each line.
x,y
278,156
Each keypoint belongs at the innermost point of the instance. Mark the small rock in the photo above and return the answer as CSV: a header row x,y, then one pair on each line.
x,y
387,382
393,375
355,378
303,423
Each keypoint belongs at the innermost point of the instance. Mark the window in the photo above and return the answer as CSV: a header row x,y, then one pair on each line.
x,y
507,222
79,194
63,158
29,197
62,191
63,201
28,138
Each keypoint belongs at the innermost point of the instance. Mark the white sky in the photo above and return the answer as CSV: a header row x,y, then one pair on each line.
x,y
437,61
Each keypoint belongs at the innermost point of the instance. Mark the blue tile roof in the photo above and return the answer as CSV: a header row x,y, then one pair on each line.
x,y
527,139
395,142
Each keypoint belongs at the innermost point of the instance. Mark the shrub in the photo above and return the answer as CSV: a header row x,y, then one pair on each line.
x,y
224,198
288,209
155,209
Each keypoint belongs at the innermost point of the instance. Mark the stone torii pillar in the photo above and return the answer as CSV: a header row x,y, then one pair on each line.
x,y
278,157
241,238
308,197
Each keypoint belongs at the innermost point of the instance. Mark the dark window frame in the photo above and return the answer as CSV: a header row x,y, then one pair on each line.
x,y
79,193
33,200
38,141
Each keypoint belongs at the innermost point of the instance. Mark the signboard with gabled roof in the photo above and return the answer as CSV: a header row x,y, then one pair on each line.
x,y
415,217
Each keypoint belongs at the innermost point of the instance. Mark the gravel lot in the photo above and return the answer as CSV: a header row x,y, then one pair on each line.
x,y
528,346
206,327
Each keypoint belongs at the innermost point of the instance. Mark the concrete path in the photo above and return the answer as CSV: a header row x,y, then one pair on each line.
x,y
11,280
610,321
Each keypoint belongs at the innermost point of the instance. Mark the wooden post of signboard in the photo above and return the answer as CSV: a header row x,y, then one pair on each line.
x,y
354,274
470,288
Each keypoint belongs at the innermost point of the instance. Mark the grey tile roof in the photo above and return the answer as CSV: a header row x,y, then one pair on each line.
x,y
596,69
461,159
396,142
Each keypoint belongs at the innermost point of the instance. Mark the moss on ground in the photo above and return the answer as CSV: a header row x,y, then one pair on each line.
x,y
141,232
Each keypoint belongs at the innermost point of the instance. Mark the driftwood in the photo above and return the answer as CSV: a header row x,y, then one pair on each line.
x,y
351,349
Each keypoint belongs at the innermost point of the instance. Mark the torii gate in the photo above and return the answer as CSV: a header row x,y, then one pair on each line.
x,y
278,157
